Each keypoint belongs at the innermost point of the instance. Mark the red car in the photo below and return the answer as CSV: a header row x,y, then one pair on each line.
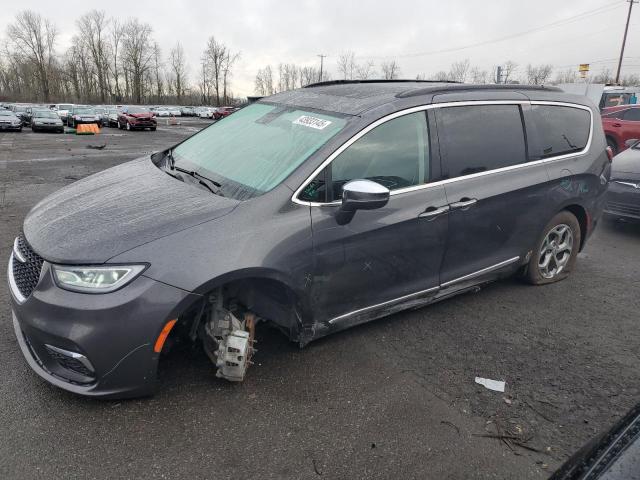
x,y
226,111
621,124
136,118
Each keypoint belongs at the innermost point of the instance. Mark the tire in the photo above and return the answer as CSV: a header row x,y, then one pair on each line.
x,y
612,143
557,247
34,129
153,129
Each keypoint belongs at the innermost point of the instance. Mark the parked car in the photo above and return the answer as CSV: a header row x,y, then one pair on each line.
x,y
102,113
63,109
82,114
30,111
174,111
20,111
207,112
136,118
10,121
226,111
623,195
313,210
112,117
187,111
160,112
612,455
621,124
46,121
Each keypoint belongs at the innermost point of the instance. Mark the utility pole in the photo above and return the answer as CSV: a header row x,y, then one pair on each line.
x,y
499,74
624,40
322,57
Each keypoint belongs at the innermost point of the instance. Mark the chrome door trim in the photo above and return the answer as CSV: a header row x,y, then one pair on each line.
x,y
380,121
383,304
73,355
480,272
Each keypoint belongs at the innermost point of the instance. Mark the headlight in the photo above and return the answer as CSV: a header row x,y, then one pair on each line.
x,y
95,279
16,122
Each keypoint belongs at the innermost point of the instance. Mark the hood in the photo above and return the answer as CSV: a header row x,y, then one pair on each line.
x,y
139,115
108,213
626,165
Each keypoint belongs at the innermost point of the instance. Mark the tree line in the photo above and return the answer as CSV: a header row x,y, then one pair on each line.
x,y
288,76
109,61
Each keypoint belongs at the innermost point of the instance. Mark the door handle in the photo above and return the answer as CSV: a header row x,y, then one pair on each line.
x,y
463,204
432,212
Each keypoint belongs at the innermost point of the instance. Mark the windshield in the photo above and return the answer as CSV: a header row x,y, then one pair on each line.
x,y
83,111
6,113
137,110
253,150
65,107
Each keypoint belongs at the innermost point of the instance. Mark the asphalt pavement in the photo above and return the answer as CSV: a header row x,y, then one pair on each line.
x,y
395,398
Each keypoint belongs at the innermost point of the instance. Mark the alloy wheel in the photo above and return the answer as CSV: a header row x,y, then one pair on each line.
x,y
555,251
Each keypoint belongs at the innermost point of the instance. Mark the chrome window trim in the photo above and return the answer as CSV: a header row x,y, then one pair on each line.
x,y
12,282
380,121
73,355
17,253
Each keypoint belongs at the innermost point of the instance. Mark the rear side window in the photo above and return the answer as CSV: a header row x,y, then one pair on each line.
x,y
633,115
560,130
479,138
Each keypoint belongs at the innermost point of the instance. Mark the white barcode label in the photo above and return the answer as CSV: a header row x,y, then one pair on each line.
x,y
312,122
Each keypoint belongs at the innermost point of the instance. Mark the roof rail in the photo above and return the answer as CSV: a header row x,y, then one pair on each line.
x,y
348,82
460,87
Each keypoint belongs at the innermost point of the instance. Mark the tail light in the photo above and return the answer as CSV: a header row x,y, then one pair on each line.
x,y
609,153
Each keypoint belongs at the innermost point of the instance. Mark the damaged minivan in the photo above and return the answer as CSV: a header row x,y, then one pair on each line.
x,y
312,210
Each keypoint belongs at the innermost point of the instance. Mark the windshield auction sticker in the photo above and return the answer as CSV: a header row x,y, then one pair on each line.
x,y
313,122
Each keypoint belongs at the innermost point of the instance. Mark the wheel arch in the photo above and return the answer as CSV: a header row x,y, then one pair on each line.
x,y
584,220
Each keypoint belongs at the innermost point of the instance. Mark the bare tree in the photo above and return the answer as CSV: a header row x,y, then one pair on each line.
x,y
264,81
347,65
158,71
178,65
508,71
566,76
93,27
390,70
630,80
137,56
116,33
478,76
441,76
33,38
459,71
365,71
218,62
538,75
605,76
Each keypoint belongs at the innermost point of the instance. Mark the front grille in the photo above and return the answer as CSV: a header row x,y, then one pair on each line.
x,y
623,208
26,275
69,363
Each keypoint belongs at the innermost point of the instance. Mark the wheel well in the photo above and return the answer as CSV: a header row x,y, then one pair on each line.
x,y
609,137
583,219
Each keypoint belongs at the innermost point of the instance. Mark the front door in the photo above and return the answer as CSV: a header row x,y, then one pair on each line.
x,y
386,257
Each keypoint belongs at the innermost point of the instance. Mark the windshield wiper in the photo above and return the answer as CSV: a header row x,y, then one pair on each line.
x,y
202,180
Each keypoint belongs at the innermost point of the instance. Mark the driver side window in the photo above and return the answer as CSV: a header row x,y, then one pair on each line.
x,y
394,154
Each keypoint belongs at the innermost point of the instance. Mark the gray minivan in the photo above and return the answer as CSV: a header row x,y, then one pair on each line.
x,y
313,210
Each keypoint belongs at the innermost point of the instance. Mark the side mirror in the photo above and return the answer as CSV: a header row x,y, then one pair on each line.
x,y
631,142
361,195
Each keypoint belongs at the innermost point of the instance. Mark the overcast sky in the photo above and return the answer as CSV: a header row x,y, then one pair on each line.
x,y
424,36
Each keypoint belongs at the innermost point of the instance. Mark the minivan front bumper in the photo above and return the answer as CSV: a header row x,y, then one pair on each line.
x,y
99,345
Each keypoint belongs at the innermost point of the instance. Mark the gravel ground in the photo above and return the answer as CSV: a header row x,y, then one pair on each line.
x,y
395,398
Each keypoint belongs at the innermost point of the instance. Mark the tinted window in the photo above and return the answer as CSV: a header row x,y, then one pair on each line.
x,y
394,154
560,129
632,114
479,138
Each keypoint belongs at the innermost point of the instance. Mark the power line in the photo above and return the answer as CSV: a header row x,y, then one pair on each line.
x,y
581,16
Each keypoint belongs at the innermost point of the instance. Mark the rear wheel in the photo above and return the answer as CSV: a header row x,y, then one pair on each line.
x,y
556,251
